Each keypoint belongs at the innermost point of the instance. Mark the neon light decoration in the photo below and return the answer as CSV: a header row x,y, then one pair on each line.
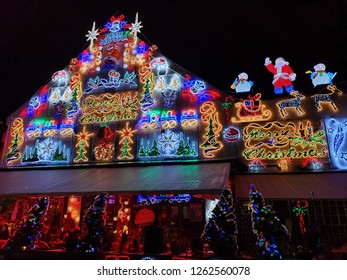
x,y
280,140
168,142
256,165
209,115
293,103
114,81
301,210
147,101
126,138
160,198
249,109
231,134
135,28
189,119
82,143
312,164
241,83
61,78
46,151
329,97
104,151
92,35
108,107
283,74
168,120
17,139
319,76
159,66
149,121
168,91
336,133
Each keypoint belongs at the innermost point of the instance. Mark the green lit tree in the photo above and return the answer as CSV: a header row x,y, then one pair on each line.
x,y
94,219
13,153
210,141
272,237
180,150
147,100
154,150
58,155
125,149
221,230
142,152
30,227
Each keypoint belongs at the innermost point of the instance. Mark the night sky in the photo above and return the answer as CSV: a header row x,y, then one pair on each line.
x,y
212,40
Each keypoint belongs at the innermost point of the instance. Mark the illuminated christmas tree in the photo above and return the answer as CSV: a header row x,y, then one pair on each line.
x,y
210,144
13,153
147,100
272,236
142,152
125,150
181,150
221,230
94,219
154,150
30,227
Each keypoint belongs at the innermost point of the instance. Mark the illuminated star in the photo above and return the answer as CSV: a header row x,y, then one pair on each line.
x,y
92,35
344,156
127,133
135,28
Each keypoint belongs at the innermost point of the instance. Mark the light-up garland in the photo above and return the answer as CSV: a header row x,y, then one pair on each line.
x,y
126,138
249,109
83,139
209,116
17,139
276,140
109,107
160,198
336,133
301,210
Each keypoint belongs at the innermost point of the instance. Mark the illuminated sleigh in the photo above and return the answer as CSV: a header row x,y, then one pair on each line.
x,y
251,110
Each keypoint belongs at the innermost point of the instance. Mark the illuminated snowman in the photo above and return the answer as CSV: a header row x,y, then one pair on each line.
x,y
241,83
320,76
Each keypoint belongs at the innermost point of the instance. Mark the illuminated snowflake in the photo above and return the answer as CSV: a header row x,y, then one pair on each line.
x,y
46,149
168,141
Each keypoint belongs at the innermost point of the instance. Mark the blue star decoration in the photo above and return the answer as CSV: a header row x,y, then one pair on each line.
x,y
344,156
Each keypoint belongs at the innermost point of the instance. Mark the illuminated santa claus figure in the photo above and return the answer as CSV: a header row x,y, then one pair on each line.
x,y
283,75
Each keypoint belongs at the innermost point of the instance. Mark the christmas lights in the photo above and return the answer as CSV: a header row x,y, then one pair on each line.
x,y
126,138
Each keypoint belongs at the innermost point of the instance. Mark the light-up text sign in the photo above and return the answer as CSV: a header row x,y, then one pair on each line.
x,y
109,107
279,140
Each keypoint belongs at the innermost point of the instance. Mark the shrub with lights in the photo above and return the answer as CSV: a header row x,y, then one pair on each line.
x,y
221,230
30,227
272,237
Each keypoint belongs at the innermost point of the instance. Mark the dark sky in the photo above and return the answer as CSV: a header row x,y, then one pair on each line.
x,y
214,41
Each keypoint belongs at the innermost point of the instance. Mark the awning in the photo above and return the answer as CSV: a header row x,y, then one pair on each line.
x,y
293,186
197,177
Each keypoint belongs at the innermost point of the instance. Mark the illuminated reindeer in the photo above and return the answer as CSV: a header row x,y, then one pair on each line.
x,y
292,103
327,97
